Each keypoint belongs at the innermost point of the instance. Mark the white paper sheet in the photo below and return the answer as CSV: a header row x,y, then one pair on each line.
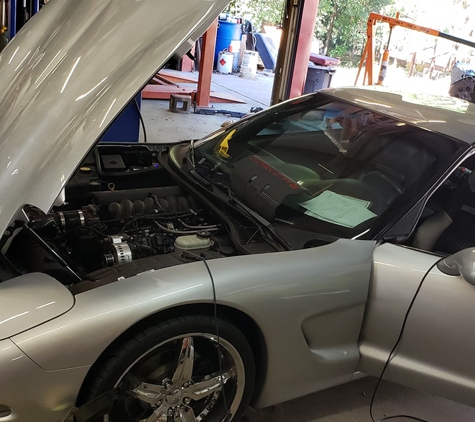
x,y
338,209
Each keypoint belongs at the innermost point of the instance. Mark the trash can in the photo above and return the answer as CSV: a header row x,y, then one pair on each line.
x,y
320,72
318,77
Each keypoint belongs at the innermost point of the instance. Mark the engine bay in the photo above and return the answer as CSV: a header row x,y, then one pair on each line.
x,y
120,214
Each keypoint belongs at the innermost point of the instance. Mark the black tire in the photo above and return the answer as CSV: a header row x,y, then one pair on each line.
x,y
148,356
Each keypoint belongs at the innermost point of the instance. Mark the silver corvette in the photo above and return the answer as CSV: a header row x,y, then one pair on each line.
x,y
275,258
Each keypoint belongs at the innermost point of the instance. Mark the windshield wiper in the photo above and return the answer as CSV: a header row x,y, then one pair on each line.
x,y
207,184
235,201
256,217
191,160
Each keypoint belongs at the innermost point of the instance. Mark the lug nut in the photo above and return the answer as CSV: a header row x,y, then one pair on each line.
x,y
187,401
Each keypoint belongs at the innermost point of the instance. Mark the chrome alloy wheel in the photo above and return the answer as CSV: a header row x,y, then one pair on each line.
x,y
181,380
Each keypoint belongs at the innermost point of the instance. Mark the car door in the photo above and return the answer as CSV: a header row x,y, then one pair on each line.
x,y
437,348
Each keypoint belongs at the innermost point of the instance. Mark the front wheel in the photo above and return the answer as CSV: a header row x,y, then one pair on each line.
x,y
177,371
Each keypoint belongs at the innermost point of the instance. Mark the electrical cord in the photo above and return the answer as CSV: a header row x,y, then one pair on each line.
x,y
141,121
215,311
393,350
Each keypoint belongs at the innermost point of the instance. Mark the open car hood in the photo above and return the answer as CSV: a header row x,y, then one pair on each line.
x,y
66,76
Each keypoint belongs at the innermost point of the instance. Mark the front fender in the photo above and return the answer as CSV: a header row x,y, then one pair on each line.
x,y
30,300
309,305
33,394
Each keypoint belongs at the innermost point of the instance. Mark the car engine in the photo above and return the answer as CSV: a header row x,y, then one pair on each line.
x,y
113,220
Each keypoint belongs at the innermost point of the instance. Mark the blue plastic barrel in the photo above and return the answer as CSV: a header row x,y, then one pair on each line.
x,y
227,32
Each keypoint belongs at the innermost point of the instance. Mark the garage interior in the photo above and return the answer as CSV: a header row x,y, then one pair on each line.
x,y
191,99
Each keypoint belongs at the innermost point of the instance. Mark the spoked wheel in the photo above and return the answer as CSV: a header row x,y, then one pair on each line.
x,y
178,372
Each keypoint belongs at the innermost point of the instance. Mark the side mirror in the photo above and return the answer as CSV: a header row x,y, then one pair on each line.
x,y
461,263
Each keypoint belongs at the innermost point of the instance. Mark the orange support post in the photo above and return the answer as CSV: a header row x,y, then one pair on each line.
x,y
385,60
370,52
367,57
206,66
362,63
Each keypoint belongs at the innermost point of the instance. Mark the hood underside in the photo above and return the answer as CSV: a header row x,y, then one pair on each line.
x,y
66,76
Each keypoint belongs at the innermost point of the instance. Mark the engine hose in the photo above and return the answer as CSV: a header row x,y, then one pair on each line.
x,y
150,218
166,229
214,226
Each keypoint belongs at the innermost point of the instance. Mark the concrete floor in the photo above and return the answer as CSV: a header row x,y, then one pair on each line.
x,y
346,403
165,126
350,403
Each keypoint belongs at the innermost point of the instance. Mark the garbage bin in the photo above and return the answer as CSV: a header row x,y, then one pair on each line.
x,y
318,77
320,72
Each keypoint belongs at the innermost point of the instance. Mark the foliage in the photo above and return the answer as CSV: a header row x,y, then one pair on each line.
x,y
259,12
341,25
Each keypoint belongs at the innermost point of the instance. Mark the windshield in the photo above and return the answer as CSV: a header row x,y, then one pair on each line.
x,y
330,167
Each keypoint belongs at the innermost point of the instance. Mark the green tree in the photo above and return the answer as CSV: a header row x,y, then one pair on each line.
x,y
341,25
259,12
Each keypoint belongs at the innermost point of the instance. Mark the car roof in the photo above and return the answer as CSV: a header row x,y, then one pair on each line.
x,y
437,113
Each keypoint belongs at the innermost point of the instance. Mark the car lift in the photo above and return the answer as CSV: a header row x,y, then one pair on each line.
x,y
367,59
294,52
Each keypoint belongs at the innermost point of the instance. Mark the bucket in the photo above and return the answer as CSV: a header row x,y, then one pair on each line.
x,y
225,62
227,33
249,64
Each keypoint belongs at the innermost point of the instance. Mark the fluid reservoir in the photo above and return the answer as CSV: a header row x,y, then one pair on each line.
x,y
194,241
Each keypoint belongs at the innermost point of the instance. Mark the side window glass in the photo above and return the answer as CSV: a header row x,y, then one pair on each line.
x,y
447,224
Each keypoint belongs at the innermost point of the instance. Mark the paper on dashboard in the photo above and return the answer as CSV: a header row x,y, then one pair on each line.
x,y
338,209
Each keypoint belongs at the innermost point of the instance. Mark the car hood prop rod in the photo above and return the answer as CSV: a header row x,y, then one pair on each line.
x,y
56,256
